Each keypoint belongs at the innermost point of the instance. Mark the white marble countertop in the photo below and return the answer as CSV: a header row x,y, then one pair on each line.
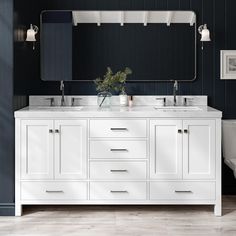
x,y
117,112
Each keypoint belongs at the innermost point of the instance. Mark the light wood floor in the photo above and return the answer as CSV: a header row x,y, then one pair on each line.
x,y
122,221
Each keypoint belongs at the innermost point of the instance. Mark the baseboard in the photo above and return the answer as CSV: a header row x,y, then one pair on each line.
x,y
7,209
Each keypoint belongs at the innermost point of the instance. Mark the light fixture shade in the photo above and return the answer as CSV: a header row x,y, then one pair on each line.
x,y
205,34
31,32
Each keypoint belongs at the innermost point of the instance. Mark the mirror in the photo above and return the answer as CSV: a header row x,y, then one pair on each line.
x,y
156,45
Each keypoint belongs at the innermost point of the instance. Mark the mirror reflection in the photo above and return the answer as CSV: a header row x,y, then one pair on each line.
x,y
156,45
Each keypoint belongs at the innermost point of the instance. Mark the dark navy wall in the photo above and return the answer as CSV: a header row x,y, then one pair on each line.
x,y
6,109
218,14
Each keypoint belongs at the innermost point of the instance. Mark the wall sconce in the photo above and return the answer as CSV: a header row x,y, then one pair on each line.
x,y
205,34
31,32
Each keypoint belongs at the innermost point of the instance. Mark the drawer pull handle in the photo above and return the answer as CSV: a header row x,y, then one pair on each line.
x,y
119,170
119,150
119,191
54,191
119,129
184,191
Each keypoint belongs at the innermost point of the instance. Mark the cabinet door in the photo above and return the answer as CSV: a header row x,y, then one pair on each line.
x,y
70,149
199,149
166,149
36,149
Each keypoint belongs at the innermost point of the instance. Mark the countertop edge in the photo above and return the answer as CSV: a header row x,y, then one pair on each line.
x,y
93,112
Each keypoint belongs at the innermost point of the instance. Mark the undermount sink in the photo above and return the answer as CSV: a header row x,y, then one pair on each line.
x,y
59,108
178,108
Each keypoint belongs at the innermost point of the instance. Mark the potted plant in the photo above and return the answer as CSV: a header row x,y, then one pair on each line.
x,y
111,82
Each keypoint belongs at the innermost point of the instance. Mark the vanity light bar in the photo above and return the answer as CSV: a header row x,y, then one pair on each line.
x,y
144,17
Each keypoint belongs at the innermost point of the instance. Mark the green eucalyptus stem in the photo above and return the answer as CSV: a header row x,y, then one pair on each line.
x,y
102,101
112,81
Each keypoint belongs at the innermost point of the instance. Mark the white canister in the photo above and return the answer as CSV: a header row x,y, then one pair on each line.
x,y
123,99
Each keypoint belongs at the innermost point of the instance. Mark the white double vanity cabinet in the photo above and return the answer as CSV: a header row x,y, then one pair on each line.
x,y
147,154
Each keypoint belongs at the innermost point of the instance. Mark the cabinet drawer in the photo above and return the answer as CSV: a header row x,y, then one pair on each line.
x,y
182,190
53,191
118,170
118,128
118,149
118,191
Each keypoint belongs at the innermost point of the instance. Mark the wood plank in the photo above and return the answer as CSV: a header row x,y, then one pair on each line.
x,y
122,220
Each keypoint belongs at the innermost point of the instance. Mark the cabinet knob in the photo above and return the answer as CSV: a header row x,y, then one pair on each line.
x,y
57,131
179,131
50,131
185,131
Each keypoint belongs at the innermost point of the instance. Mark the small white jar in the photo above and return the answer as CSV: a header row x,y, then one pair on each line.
x,y
123,99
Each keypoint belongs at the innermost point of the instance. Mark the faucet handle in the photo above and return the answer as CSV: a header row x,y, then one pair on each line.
x,y
164,100
73,99
186,100
52,101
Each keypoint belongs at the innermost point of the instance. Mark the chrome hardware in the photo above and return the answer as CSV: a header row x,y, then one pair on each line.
x,y
54,191
119,191
175,89
52,101
164,100
179,131
184,191
73,101
186,101
119,150
185,131
119,129
62,88
57,131
119,170
51,131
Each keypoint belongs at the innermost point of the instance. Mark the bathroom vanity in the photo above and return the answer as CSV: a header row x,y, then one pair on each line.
x,y
145,154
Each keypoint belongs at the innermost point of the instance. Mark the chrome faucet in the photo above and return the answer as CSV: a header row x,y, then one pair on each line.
x,y
62,88
175,89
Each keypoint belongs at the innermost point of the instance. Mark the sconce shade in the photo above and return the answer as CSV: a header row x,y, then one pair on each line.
x,y
31,32
205,33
